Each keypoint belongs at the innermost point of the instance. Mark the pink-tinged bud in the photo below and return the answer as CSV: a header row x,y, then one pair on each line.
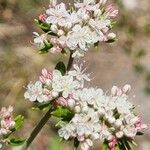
x,y
54,28
119,134
126,89
77,109
46,76
111,11
71,103
111,36
62,101
118,123
81,138
60,32
144,126
114,90
89,142
43,17
112,143
56,49
44,72
54,41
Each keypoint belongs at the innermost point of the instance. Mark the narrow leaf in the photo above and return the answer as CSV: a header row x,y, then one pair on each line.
x,y
61,67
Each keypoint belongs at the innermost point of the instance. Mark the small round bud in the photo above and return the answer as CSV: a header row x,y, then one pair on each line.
x,y
126,89
77,109
119,134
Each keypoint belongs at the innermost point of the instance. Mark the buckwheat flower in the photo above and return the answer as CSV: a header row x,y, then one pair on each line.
x,y
35,92
79,73
123,105
67,131
99,25
39,40
80,37
57,15
68,85
88,5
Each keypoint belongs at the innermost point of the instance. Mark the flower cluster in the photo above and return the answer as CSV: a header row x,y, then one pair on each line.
x,y
53,84
86,23
98,116
7,123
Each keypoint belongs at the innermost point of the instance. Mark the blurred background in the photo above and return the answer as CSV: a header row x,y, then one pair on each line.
x,y
125,61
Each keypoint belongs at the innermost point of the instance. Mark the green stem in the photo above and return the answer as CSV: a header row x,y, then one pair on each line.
x,y
44,119
37,129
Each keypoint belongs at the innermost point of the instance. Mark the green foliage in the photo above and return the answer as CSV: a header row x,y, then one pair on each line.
x,y
105,146
64,113
19,120
16,142
43,25
46,48
61,67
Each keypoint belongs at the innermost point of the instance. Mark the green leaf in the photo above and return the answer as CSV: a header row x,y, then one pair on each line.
x,y
19,120
43,25
64,113
105,146
16,142
46,48
76,143
61,67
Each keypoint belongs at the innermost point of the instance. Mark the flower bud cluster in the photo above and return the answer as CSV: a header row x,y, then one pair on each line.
x,y
86,23
6,123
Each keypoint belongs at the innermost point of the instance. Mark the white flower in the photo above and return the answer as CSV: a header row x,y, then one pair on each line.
x,y
58,15
67,131
39,40
79,73
89,5
99,25
68,85
80,37
123,105
35,92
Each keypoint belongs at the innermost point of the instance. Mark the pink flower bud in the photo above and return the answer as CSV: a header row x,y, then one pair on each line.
x,y
126,89
71,103
43,17
114,90
62,101
111,11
